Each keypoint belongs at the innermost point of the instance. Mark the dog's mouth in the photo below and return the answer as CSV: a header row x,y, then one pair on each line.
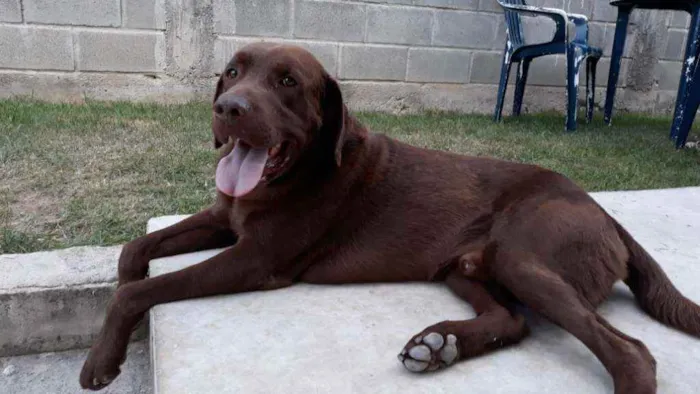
x,y
238,173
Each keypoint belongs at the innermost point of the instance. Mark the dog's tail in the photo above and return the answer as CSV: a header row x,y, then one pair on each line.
x,y
654,291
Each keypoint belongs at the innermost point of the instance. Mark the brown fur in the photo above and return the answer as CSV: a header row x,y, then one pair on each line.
x,y
360,207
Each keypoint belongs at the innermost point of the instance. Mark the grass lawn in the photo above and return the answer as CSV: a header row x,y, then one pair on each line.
x,y
93,174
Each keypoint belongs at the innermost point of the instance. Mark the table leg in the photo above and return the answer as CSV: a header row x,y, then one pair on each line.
x,y
689,61
623,17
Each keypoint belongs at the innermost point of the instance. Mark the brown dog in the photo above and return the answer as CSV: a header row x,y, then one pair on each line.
x,y
306,194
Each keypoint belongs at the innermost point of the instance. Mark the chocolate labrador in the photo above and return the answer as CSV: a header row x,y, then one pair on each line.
x,y
307,194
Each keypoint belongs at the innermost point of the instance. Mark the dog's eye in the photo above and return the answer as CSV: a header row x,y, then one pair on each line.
x,y
232,73
288,81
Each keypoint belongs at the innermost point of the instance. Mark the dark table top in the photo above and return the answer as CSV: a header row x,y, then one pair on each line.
x,y
683,5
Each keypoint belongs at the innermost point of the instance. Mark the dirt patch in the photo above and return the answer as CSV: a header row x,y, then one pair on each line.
x,y
33,211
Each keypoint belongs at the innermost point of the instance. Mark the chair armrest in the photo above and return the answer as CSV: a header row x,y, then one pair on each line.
x,y
581,27
560,17
578,19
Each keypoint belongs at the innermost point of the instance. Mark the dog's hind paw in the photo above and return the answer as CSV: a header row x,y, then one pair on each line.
x,y
429,352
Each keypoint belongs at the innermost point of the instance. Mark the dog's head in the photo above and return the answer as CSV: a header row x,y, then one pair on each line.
x,y
274,104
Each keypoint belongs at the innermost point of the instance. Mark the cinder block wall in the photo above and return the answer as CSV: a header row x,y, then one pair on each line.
x,y
390,55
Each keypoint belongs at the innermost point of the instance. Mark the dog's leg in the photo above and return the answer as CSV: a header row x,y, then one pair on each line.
x,y
628,360
245,267
445,343
208,229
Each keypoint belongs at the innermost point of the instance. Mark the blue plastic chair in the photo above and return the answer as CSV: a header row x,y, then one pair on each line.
x,y
689,107
576,49
625,8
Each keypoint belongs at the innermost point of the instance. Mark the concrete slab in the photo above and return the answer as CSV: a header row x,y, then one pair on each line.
x,y
55,300
57,373
58,268
345,339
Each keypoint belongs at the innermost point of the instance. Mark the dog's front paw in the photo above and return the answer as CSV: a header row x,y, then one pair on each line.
x,y
100,368
430,352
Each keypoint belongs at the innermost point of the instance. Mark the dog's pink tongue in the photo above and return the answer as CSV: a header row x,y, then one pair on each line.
x,y
239,172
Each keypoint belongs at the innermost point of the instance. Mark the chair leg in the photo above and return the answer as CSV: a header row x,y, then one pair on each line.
x,y
691,53
503,84
523,69
623,17
591,66
692,102
574,57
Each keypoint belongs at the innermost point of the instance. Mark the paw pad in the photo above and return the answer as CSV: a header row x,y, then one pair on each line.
x,y
429,352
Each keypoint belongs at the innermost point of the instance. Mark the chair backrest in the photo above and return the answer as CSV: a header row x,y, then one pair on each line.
x,y
515,27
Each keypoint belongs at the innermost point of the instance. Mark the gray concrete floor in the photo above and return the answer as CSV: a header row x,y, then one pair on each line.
x,y
57,373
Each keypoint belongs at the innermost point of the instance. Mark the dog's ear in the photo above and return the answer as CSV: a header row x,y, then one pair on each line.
x,y
334,118
217,93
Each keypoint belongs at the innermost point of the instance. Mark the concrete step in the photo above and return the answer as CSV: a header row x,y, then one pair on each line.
x,y
55,300
57,373
345,339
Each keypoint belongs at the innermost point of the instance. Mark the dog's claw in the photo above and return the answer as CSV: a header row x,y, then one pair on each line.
x,y
430,352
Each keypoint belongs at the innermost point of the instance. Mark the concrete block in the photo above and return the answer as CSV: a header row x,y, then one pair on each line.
x,y
603,11
641,102
144,14
54,300
583,7
224,49
190,38
457,4
406,98
224,16
263,18
490,5
631,43
465,29
10,11
486,69
675,45
399,25
79,87
559,4
373,62
680,19
550,71
51,320
73,12
61,268
666,102
191,340
330,21
406,2
325,52
438,65
499,42
601,35
120,51
538,30
668,74
40,48
604,72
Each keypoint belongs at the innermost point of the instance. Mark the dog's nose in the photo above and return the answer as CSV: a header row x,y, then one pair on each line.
x,y
231,105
